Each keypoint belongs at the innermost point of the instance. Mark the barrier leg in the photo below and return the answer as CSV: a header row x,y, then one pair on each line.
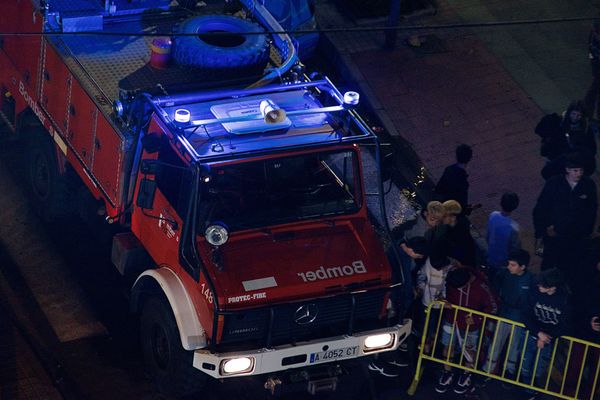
x,y
415,383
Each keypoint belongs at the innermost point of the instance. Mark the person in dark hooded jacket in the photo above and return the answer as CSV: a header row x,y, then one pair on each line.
x,y
454,183
567,134
546,317
564,216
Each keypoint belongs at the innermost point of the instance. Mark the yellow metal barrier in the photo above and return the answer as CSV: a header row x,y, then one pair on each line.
x,y
570,372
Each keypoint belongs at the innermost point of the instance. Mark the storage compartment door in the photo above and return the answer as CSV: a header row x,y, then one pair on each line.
x,y
56,89
107,164
83,115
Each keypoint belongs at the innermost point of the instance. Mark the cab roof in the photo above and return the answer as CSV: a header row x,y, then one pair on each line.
x,y
229,124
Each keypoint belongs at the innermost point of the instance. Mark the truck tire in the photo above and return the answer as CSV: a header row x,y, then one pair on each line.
x,y
228,54
49,192
168,362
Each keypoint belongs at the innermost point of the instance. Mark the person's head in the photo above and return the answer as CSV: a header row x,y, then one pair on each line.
x,y
438,260
452,210
518,261
575,112
419,245
573,167
458,277
550,280
509,202
464,153
434,213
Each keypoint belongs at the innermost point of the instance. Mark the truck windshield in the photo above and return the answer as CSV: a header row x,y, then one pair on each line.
x,y
277,190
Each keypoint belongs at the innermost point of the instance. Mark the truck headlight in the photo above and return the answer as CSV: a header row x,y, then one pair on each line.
x,y
379,342
233,366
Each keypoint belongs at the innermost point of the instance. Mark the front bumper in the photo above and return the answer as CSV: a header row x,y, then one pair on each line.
x,y
301,355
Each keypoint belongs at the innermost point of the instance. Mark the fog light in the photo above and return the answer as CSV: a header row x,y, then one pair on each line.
x,y
234,366
379,342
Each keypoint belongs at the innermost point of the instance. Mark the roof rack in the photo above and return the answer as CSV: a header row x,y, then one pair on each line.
x,y
225,140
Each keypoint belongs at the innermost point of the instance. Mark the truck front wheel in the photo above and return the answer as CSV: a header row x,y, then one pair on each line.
x,y
168,362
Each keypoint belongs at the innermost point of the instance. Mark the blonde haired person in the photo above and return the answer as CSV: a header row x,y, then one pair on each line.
x,y
426,221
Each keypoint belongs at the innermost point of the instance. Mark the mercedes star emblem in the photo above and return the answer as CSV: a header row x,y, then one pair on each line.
x,y
306,314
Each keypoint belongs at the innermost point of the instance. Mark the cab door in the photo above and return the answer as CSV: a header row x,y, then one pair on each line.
x,y
157,221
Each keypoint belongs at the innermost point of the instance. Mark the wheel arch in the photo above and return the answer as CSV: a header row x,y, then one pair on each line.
x,y
165,282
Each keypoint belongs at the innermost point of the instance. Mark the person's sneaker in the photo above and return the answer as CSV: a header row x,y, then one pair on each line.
x,y
390,370
400,362
464,384
375,366
385,369
444,382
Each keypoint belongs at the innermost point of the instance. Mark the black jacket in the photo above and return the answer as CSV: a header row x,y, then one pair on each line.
x,y
453,185
547,313
572,212
560,137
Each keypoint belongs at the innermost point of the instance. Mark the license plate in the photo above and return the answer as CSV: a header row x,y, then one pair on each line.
x,y
334,354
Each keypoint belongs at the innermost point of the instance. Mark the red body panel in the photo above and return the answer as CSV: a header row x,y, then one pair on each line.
x,y
23,51
56,89
311,260
108,158
82,116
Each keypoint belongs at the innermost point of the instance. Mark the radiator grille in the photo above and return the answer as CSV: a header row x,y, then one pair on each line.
x,y
335,316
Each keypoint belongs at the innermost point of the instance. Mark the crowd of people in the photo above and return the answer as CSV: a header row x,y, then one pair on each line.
x,y
443,264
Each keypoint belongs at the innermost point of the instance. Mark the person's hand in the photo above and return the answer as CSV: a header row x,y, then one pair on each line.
x,y
544,337
469,320
411,253
539,247
418,292
550,231
595,323
540,344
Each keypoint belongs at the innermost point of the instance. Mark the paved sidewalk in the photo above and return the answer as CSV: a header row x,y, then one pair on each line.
x,y
454,89
22,372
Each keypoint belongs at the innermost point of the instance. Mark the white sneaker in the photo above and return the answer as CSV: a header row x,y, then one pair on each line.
x,y
444,382
464,384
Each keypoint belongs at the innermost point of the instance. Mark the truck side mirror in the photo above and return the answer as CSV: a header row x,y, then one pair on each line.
x,y
145,197
151,143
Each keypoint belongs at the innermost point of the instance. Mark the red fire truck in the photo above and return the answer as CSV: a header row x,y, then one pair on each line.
x,y
238,183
